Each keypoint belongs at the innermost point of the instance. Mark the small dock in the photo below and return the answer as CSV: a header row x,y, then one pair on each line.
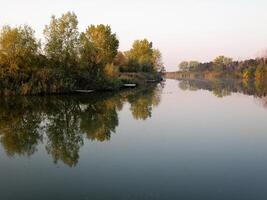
x,y
131,85
83,91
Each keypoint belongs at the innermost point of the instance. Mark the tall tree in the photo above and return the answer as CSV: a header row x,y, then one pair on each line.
x,y
193,65
221,62
99,47
141,54
104,42
184,66
157,61
62,40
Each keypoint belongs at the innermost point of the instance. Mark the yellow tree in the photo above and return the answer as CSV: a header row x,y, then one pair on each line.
x,y
140,56
99,47
104,41
18,49
221,62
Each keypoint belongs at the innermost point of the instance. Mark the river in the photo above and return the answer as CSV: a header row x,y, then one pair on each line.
x,y
175,140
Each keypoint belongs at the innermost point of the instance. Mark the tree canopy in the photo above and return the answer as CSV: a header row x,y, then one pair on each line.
x,y
62,41
68,59
18,49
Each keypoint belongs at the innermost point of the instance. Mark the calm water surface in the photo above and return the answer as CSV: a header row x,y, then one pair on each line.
x,y
180,140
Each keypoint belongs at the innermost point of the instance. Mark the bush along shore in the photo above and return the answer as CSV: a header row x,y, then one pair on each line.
x,y
68,60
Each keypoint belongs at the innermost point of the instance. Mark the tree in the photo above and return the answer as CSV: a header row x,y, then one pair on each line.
x,y
189,66
99,47
104,41
18,49
193,65
248,74
69,60
157,61
141,54
62,41
221,62
89,58
184,66
260,72
121,61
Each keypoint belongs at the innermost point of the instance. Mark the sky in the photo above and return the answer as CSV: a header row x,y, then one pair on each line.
x,y
180,29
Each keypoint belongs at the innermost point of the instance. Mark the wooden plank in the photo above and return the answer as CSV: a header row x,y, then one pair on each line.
x,y
83,91
130,85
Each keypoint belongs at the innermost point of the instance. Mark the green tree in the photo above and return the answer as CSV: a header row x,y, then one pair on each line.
x,y
260,72
99,47
184,66
157,61
104,42
193,65
62,41
70,60
221,62
248,74
140,56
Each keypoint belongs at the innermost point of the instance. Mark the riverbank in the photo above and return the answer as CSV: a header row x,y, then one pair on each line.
x,y
140,78
128,80
58,85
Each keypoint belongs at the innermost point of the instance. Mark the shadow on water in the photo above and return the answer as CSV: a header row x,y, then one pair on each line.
x,y
63,123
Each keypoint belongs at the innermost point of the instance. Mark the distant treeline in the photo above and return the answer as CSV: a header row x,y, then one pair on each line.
x,y
248,70
68,59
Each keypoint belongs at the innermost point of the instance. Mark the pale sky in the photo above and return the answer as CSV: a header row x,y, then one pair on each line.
x,y
181,29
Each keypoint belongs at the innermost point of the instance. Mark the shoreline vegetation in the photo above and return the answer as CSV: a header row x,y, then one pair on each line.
x,y
68,60
247,72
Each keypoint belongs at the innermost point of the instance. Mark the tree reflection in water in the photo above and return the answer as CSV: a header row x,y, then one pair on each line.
x,y
64,122
222,88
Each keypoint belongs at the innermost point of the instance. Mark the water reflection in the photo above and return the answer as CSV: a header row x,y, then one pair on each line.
x,y
221,88
62,123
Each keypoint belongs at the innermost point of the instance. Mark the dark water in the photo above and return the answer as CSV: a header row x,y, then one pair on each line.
x,y
181,140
